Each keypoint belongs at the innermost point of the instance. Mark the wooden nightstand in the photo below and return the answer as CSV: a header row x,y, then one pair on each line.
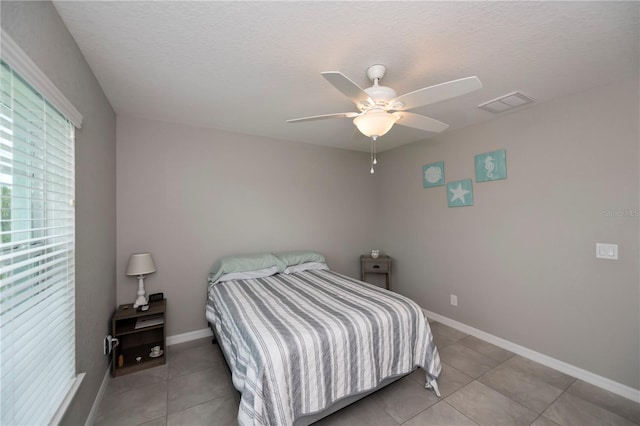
x,y
381,265
137,342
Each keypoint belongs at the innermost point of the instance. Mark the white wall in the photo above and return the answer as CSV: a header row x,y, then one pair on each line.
x,y
522,259
190,195
39,31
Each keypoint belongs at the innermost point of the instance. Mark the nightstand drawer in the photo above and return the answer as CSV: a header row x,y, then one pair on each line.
x,y
382,267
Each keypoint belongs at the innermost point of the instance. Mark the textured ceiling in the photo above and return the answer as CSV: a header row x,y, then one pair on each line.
x,y
248,66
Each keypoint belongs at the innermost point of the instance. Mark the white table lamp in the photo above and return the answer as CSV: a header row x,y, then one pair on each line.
x,y
140,264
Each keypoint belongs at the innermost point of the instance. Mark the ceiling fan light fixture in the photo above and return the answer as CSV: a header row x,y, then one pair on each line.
x,y
375,123
380,107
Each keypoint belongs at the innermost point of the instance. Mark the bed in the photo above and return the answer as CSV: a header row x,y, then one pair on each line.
x,y
302,341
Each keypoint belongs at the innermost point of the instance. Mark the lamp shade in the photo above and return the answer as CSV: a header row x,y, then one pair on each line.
x,y
141,264
375,123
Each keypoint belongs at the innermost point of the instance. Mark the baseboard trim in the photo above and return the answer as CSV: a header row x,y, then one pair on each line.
x,y
186,337
577,372
91,418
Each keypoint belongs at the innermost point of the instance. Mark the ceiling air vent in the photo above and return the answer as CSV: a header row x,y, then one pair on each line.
x,y
506,102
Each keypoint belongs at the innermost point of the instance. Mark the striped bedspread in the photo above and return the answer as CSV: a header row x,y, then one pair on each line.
x,y
298,343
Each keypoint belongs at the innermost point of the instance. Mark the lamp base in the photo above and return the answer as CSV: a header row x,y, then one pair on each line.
x,y
140,301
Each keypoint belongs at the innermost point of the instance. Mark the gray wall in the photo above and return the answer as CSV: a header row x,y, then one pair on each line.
x,y
39,31
522,259
190,195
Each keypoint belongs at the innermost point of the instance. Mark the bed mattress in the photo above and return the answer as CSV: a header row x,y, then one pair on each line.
x,y
298,343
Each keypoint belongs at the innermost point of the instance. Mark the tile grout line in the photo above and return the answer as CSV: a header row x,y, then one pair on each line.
x,y
498,391
442,399
222,395
522,405
553,402
477,379
461,411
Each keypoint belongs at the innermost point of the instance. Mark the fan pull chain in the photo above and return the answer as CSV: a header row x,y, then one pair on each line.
x,y
371,171
373,153
375,160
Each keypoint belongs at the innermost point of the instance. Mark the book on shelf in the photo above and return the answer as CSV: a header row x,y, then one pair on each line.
x,y
149,321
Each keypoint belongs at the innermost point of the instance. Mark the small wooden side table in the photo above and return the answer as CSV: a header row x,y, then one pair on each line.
x,y
134,344
381,265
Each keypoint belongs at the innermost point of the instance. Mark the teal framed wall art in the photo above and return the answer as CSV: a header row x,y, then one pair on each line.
x,y
491,166
460,193
433,174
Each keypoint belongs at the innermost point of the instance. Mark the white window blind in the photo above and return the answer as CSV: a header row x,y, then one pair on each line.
x,y
37,306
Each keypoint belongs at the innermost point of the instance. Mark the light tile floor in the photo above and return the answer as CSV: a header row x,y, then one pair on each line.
x,y
480,383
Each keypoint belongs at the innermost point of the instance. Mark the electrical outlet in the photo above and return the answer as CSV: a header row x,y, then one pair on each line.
x,y
454,300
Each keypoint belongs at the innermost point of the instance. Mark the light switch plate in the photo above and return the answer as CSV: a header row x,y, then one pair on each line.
x,y
607,251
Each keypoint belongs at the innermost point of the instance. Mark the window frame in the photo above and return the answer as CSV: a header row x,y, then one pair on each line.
x,y
30,73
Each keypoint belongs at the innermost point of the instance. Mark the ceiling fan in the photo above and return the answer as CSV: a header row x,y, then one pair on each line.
x,y
380,107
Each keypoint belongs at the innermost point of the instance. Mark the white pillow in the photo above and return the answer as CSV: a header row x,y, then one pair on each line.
x,y
246,275
307,266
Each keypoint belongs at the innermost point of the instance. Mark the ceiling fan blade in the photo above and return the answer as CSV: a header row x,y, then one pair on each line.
x,y
348,88
432,94
322,117
421,122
